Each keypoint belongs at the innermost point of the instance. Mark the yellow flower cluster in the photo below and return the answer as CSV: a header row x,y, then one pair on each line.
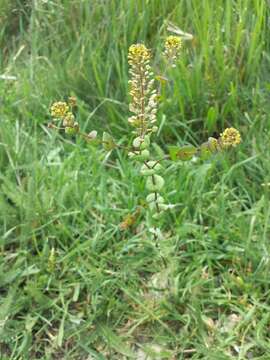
x,y
59,109
230,137
138,54
173,45
173,42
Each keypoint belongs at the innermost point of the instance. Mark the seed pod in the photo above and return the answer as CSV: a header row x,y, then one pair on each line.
x,y
154,197
152,206
151,197
92,135
145,154
143,146
158,215
160,200
163,206
140,156
149,168
155,165
154,183
131,155
146,142
137,142
146,171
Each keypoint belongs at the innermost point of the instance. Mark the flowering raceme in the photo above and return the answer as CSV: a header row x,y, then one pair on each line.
x,y
143,95
173,45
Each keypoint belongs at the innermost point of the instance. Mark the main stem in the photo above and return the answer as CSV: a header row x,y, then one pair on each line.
x,y
155,227
142,104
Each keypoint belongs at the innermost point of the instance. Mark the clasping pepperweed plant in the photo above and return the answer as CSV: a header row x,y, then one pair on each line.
x,y
144,91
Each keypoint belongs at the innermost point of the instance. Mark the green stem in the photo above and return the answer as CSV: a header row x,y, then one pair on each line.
x,y
155,227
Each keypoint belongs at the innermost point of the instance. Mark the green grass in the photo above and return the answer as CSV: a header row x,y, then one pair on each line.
x,y
107,295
